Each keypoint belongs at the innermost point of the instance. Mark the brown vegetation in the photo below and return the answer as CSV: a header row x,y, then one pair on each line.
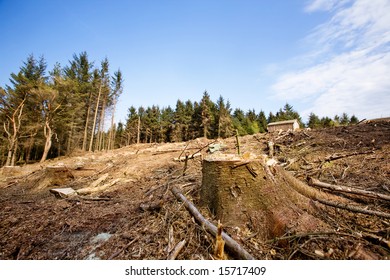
x,y
130,212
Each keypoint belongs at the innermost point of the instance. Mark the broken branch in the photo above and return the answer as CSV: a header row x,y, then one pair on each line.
x,y
230,243
179,246
344,189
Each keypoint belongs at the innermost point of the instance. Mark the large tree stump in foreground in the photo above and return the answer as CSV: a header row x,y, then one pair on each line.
x,y
242,192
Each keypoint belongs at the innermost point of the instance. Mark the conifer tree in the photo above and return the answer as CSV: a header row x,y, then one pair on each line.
x,y
314,121
262,121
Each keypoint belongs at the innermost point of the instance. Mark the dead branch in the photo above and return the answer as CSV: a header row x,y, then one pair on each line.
x,y
344,189
185,148
189,157
304,189
340,156
355,209
179,246
200,149
230,243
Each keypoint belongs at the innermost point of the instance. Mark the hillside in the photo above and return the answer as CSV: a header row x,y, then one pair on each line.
x,y
127,211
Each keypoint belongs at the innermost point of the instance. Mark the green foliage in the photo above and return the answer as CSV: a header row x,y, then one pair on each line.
x,y
66,109
52,113
314,121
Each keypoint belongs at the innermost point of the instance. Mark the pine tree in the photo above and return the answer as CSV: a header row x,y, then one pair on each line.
x,y
131,128
207,107
224,124
23,112
116,91
262,121
353,120
314,121
344,120
80,99
238,121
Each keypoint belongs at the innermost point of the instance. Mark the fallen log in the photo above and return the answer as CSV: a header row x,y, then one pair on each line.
x,y
344,189
230,243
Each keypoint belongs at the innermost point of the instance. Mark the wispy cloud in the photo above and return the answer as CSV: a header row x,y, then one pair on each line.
x,y
350,62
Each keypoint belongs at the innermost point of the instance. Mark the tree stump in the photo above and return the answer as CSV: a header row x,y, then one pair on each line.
x,y
55,176
243,192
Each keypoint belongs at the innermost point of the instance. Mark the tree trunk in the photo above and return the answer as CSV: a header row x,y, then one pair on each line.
x,y
244,193
13,160
9,157
87,123
138,129
48,134
111,138
101,125
95,118
15,120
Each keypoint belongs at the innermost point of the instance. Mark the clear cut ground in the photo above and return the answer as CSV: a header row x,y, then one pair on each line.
x,y
131,213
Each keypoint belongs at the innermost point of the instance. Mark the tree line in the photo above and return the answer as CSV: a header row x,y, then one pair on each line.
x,y
46,114
49,114
205,118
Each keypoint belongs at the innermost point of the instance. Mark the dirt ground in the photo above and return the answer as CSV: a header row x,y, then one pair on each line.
x,y
132,214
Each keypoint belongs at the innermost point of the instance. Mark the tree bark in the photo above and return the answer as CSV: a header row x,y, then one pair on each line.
x,y
15,121
95,118
244,193
48,134
84,148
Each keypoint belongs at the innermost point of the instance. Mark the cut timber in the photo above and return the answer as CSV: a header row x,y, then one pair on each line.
x,y
98,188
63,192
9,171
244,193
57,175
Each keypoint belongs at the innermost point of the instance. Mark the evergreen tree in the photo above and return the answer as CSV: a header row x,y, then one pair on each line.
x,y
353,120
166,124
251,125
262,121
327,122
116,91
344,120
314,121
238,122
271,118
224,124
81,98
207,118
131,127
179,122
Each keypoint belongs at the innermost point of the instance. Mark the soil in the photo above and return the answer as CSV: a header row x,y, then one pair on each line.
x,y
131,213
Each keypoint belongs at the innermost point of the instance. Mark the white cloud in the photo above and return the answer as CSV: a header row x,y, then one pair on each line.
x,y
350,62
324,5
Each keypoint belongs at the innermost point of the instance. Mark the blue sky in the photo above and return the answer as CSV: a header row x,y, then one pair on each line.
x,y
322,56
